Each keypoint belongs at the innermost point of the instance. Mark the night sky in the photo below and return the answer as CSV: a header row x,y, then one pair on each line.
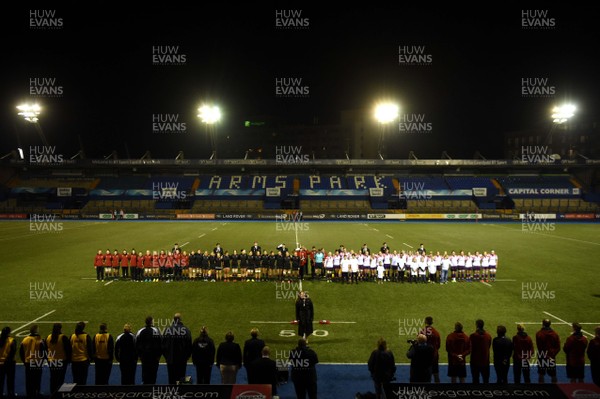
x,y
101,62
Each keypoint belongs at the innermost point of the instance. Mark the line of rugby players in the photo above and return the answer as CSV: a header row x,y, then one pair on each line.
x,y
346,266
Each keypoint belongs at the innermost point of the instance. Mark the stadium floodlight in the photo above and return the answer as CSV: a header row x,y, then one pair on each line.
x,y
386,112
29,112
562,113
209,114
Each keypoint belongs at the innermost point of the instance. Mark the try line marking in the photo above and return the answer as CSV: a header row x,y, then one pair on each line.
x,y
410,246
288,322
32,321
567,323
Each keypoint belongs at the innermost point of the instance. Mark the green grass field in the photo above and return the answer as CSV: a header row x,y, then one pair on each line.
x,y
565,258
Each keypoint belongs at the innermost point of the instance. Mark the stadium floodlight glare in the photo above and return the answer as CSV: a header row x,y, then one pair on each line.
x,y
209,114
29,112
386,112
562,113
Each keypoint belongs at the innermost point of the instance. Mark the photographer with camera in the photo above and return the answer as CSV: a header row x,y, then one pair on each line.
x,y
382,367
421,356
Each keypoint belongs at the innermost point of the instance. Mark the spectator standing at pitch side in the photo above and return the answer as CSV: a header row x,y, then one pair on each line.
x,y
203,356
148,346
177,349
104,349
8,350
126,355
229,359
59,355
458,348
81,355
503,348
433,339
421,356
575,347
264,370
593,352
548,346
480,341
304,374
522,353
32,353
252,350
382,366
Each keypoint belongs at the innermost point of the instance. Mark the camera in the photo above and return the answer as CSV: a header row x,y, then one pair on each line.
x,y
411,341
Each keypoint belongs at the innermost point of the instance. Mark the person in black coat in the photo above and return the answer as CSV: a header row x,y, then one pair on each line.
x,y
304,373
304,315
503,349
8,350
229,359
126,355
148,346
382,366
177,349
264,370
203,356
252,350
421,356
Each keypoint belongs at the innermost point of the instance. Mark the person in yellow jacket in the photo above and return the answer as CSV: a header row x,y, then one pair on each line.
x,y
8,350
59,356
104,349
81,355
33,356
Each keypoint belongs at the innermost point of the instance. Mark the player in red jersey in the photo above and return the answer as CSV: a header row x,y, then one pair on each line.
x,y
99,266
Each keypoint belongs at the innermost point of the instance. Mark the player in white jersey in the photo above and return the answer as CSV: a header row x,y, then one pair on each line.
x,y
469,267
485,266
431,268
387,263
422,262
461,265
354,268
454,266
373,267
445,268
493,265
329,267
476,266
414,269
337,260
395,263
345,266
380,270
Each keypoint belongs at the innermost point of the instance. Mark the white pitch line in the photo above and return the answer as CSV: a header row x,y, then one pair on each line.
x,y
111,281
33,321
374,229
288,322
184,244
410,246
505,279
42,322
488,284
214,228
201,235
88,278
387,235
567,323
